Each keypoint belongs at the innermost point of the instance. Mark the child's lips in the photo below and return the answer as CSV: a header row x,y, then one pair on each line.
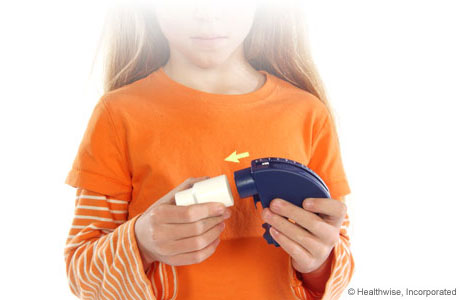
x,y
209,42
208,37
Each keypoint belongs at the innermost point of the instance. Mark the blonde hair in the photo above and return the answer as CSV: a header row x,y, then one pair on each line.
x,y
277,43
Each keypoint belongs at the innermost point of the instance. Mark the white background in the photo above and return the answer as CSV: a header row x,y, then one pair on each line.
x,y
392,71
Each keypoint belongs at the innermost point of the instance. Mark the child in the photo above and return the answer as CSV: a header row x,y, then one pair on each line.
x,y
186,85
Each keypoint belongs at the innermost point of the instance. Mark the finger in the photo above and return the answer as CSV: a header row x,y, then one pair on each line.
x,y
294,249
174,214
306,219
313,244
194,243
168,231
334,210
194,257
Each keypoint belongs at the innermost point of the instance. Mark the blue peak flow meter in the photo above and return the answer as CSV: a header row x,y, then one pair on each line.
x,y
274,177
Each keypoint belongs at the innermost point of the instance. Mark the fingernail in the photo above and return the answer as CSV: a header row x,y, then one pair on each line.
x,y
221,210
266,214
308,203
227,213
276,204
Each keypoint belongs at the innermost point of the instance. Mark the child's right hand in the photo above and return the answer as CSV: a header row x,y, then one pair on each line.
x,y
180,235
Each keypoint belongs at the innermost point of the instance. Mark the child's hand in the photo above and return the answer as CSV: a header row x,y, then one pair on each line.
x,y
180,235
310,241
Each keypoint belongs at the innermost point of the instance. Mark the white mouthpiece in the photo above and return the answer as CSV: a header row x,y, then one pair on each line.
x,y
216,189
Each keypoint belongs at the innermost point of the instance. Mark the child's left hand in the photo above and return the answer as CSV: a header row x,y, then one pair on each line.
x,y
310,241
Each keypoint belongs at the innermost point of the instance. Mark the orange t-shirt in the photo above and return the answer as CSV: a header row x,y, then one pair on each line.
x,y
147,137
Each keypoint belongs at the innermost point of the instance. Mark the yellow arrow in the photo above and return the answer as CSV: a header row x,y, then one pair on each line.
x,y
234,157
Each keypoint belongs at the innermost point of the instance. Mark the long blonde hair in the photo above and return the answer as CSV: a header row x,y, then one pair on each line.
x,y
277,43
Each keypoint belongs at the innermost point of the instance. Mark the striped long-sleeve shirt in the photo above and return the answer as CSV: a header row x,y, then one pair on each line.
x,y
144,139
103,259
101,253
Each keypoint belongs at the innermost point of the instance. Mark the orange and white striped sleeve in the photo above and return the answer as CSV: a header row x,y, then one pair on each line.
x,y
101,255
342,267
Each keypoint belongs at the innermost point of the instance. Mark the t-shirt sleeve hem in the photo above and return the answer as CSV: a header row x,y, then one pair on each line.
x,y
95,182
339,188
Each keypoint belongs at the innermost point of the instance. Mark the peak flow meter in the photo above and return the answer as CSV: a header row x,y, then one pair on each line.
x,y
274,177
